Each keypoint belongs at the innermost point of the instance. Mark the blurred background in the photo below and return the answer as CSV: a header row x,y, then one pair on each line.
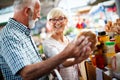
x,y
82,14
90,14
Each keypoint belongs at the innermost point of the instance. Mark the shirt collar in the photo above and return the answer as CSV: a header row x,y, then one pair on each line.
x,y
20,26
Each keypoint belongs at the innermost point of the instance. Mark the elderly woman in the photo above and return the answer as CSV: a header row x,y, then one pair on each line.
x,y
53,45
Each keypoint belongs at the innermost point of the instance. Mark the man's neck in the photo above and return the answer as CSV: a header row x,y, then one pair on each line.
x,y
20,18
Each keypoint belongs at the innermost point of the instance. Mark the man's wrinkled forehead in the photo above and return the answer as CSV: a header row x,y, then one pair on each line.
x,y
37,4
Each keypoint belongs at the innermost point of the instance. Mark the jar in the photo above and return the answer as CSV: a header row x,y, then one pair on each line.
x,y
100,57
102,37
100,61
110,52
117,41
116,65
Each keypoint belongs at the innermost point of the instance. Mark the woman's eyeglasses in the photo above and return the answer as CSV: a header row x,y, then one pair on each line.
x,y
60,19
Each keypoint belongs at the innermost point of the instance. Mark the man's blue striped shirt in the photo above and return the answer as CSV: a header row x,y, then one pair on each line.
x,y
16,50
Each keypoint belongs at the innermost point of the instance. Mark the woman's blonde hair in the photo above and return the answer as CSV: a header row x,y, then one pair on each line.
x,y
56,12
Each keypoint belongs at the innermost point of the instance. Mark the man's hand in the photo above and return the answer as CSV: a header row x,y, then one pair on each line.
x,y
78,48
85,54
118,30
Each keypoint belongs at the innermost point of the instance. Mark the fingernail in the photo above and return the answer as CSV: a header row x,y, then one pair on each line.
x,y
87,37
84,49
86,42
90,43
82,37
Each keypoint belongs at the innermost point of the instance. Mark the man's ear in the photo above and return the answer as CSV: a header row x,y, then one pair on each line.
x,y
27,11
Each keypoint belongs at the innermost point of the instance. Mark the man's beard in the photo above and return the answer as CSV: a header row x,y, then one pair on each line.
x,y
31,23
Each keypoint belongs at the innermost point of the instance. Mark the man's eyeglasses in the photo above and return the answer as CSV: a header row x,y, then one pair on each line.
x,y
60,19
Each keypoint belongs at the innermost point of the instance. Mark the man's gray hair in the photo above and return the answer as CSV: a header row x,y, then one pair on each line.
x,y
20,4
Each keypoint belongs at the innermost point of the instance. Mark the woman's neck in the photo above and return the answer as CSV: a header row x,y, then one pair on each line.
x,y
58,37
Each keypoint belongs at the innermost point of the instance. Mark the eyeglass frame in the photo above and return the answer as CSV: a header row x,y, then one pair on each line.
x,y
60,19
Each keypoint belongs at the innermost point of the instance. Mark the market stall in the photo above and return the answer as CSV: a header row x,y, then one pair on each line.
x,y
101,19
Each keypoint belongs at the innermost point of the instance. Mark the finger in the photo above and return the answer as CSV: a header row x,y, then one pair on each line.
x,y
88,44
79,40
78,53
86,52
78,60
82,46
84,55
83,43
118,31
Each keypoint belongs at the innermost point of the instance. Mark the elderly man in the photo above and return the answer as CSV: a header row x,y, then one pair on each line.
x,y
19,58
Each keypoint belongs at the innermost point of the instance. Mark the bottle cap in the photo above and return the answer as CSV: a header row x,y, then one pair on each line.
x,y
101,33
109,43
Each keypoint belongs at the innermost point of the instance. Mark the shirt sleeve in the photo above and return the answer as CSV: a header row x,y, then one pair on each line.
x,y
14,54
49,49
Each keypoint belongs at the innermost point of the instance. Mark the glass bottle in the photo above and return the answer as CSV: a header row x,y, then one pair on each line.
x,y
102,37
100,57
110,52
117,41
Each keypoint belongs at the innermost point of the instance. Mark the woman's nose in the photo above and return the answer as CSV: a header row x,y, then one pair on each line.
x,y
57,21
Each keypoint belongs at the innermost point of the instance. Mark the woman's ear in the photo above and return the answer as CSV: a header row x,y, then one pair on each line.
x,y
49,23
67,20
